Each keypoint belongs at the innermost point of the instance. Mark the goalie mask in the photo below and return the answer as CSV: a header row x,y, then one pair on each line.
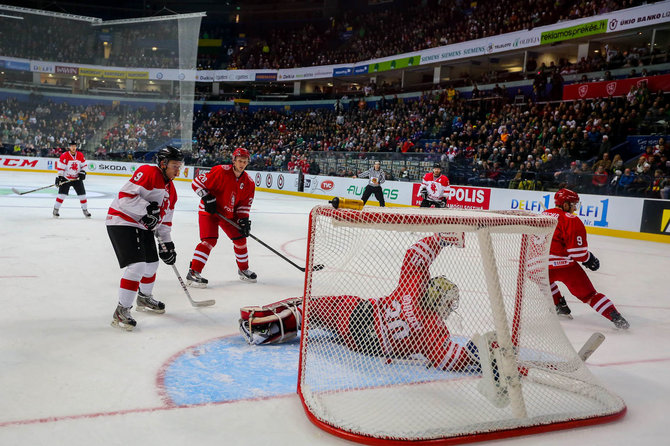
x,y
441,296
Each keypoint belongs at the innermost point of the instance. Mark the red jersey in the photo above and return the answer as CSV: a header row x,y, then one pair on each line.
x,y
568,245
436,186
146,185
403,327
233,195
69,166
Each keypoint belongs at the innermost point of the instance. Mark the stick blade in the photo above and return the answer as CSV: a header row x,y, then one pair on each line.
x,y
16,191
203,303
591,345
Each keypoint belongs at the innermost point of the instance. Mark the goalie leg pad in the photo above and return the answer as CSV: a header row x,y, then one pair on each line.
x,y
493,385
271,324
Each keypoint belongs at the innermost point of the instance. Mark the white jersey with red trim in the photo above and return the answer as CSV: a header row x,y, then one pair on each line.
x,y
234,195
568,243
436,186
69,166
130,205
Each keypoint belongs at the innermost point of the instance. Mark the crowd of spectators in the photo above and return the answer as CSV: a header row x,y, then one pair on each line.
x,y
41,127
354,37
495,143
38,37
140,130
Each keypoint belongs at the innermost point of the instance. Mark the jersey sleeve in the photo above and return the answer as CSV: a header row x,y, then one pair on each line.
x,y
415,270
201,183
136,194
82,162
61,165
575,239
365,174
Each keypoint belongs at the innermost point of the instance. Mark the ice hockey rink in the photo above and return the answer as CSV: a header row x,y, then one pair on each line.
x,y
187,377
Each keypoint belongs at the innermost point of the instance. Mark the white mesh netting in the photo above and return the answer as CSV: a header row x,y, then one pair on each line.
x,y
384,350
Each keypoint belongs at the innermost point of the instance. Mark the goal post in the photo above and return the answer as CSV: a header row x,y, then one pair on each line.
x,y
390,326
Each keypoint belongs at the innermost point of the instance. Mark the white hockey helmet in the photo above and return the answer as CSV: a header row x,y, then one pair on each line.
x,y
442,296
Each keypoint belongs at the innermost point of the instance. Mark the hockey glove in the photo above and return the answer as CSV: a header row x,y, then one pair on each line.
x,y
592,262
209,201
60,180
245,226
82,176
167,253
423,194
151,219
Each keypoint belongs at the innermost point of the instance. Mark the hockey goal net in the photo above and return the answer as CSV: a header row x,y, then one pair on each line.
x,y
378,366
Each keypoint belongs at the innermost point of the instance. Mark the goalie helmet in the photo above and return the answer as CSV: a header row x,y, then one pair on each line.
x,y
442,296
169,153
565,196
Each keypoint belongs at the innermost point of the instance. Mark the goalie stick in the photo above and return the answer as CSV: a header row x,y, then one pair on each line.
x,y
314,268
16,191
195,303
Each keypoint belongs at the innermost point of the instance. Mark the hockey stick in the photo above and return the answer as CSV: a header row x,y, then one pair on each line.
x,y
16,191
195,303
314,268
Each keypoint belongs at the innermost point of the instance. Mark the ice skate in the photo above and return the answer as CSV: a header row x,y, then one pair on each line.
x,y
55,213
562,309
195,280
247,275
149,304
619,321
86,213
123,319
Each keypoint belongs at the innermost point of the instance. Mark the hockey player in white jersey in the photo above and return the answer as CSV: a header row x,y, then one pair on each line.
x,y
144,205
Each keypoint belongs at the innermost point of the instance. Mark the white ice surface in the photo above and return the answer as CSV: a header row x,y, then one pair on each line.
x,y
67,377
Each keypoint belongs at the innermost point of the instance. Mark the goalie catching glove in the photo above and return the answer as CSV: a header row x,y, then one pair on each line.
x,y
271,324
167,253
592,262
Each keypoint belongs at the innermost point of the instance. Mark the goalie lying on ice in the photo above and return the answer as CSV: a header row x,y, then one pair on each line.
x,y
408,322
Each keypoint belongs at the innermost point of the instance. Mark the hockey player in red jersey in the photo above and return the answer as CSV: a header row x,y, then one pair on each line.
x,y
144,205
433,188
568,247
410,321
71,168
227,190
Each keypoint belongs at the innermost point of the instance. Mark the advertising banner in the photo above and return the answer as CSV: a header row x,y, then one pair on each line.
x,y
574,32
656,217
38,66
397,192
137,75
8,162
375,67
275,180
90,72
461,197
62,69
266,77
598,211
297,74
116,74
632,18
619,87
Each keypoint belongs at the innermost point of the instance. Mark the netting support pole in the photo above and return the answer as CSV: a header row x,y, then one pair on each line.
x,y
509,367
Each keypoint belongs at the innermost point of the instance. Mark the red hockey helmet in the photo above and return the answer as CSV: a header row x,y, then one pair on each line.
x,y
241,151
565,196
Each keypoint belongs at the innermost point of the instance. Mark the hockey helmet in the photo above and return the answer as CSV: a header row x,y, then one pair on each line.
x,y
442,296
565,196
169,153
437,166
72,143
241,152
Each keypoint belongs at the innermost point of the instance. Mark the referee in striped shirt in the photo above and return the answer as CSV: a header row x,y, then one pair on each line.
x,y
376,178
